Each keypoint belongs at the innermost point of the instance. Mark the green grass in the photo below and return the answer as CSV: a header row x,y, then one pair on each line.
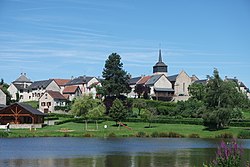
x,y
78,130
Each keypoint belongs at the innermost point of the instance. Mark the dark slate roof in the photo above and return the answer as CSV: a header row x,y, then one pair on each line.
x,y
233,80
20,87
203,81
133,81
79,80
241,84
40,84
23,79
30,109
153,79
160,63
164,89
172,78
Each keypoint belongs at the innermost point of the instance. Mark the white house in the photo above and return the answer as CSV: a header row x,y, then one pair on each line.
x,y
71,92
38,88
2,98
49,100
19,88
160,87
85,83
180,84
61,83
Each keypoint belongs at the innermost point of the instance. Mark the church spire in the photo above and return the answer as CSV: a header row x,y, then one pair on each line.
x,y
160,58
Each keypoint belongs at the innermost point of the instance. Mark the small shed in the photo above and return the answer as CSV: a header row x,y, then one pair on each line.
x,y
20,113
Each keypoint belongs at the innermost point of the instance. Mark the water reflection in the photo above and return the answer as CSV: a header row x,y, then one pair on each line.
x,y
74,152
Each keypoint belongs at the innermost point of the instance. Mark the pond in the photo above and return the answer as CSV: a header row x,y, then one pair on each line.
x,y
122,152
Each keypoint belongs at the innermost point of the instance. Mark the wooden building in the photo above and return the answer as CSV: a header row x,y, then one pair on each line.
x,y
20,113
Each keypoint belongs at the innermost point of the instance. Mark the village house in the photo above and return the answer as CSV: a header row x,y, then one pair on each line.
x,y
162,86
51,99
71,92
180,83
86,84
20,115
2,98
61,83
38,88
19,89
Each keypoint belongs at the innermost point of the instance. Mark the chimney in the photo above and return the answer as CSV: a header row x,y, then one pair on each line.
x,y
24,74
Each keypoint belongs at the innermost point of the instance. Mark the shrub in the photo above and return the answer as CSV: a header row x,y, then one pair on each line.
x,y
225,136
141,134
112,135
244,134
4,134
163,134
194,135
155,134
228,154
175,135
87,135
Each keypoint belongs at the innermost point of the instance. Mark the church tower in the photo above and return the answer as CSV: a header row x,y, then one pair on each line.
x,y
160,67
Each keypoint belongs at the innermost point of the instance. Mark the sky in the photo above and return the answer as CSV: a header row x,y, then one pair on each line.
x,y
65,38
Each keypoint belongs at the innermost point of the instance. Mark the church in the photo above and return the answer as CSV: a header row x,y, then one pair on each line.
x,y
160,85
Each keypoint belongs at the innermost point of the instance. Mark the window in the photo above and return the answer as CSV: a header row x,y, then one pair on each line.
x,y
21,90
29,97
43,104
183,87
48,103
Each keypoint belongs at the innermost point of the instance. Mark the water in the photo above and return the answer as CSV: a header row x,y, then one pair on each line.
x,y
123,152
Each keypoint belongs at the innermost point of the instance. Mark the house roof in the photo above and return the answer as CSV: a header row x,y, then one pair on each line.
x,y
153,79
202,81
143,80
133,81
241,84
164,89
23,79
40,84
79,80
30,109
61,82
172,78
56,95
20,87
70,89
66,96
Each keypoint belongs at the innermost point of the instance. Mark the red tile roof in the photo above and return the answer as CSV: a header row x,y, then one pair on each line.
x,y
66,96
61,82
56,95
70,89
143,80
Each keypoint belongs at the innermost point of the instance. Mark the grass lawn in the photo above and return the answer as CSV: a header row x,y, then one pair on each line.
x,y
78,130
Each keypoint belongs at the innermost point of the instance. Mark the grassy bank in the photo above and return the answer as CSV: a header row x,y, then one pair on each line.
x,y
137,130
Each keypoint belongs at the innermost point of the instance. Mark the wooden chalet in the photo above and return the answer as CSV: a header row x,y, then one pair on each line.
x,y
20,113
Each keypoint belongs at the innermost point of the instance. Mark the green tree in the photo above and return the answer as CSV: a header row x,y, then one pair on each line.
x,y
116,80
118,111
148,115
81,106
197,91
96,113
139,104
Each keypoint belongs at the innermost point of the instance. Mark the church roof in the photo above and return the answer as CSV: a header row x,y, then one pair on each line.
x,y
133,81
23,79
160,63
172,78
153,79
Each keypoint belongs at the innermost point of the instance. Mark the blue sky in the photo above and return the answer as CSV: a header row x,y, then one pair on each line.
x,y
64,38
